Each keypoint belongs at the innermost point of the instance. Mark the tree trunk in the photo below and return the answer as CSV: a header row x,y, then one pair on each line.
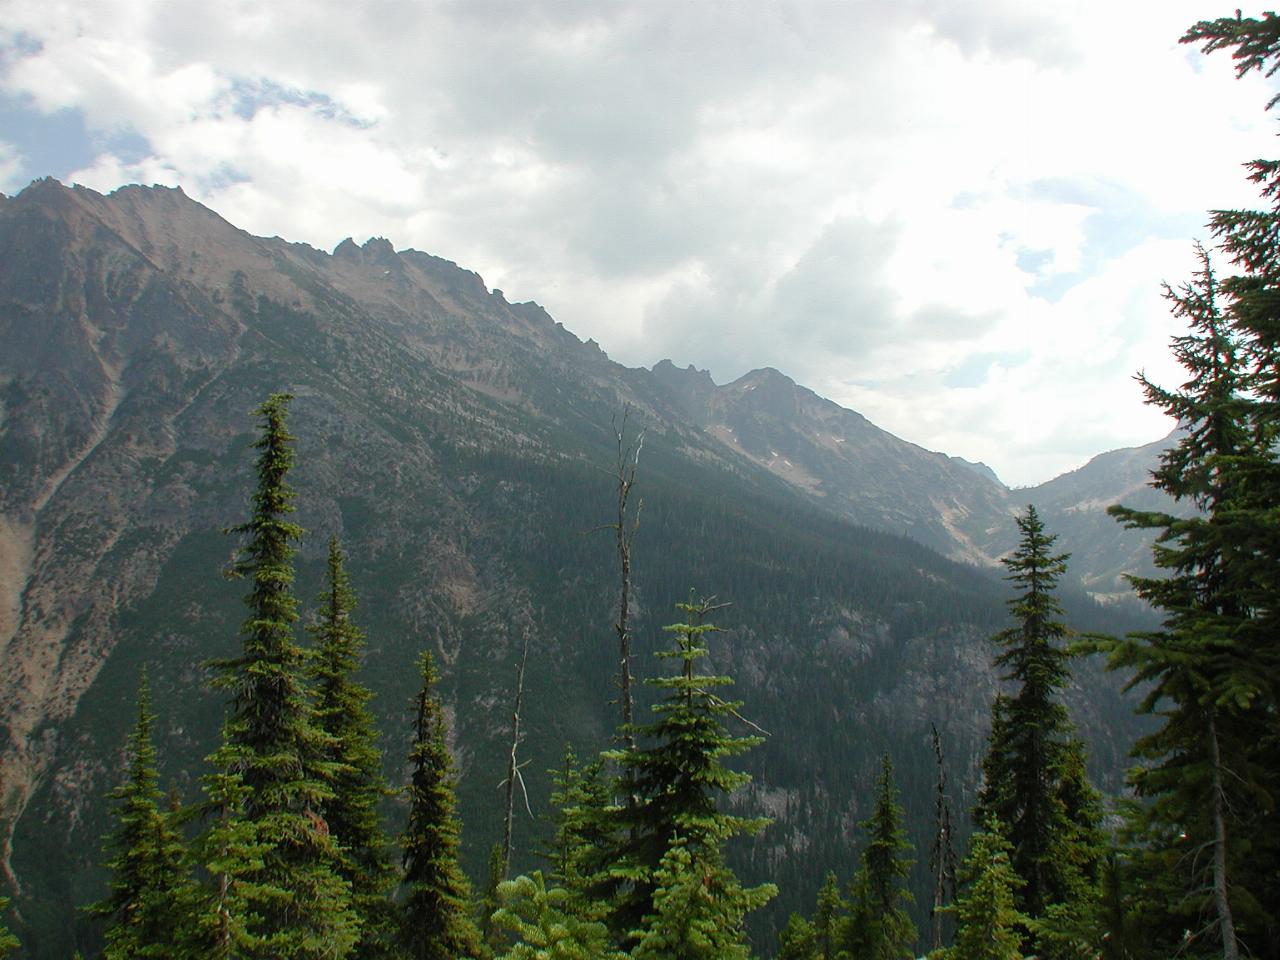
x,y
1226,924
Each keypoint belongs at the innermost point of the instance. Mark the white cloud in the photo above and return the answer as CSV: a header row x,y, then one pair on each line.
x,y
867,196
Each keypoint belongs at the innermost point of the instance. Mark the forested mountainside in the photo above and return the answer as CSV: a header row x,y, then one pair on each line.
x,y
462,448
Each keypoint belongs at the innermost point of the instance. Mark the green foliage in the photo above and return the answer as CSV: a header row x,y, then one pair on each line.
x,y
148,859
699,907
272,770
679,779
988,922
1033,775
227,916
8,941
798,940
351,751
879,927
1208,774
435,918
545,925
829,918
579,800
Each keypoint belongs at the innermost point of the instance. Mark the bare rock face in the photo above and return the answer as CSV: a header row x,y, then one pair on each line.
x,y
460,447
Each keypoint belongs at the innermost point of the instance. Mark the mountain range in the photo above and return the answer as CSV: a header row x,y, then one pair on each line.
x,y
463,448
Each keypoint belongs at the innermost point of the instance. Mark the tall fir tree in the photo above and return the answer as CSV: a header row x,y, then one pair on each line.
x,y
1032,776
149,872
1207,771
879,927
342,712
680,779
1214,670
297,903
435,920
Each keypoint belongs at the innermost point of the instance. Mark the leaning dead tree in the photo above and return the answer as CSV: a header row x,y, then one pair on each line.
x,y
513,766
942,858
624,527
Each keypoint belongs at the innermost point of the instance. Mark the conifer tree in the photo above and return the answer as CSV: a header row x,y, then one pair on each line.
x,y
271,767
491,935
545,924
1031,771
1204,673
698,908
226,918
579,799
879,928
679,780
8,941
798,940
829,918
342,712
988,923
1210,778
148,858
435,919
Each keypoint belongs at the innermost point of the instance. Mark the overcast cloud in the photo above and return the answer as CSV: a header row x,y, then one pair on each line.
x,y
951,216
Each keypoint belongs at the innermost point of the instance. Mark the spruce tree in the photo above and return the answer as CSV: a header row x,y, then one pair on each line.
x,y
680,779
988,923
879,928
296,902
435,922
1032,776
148,859
342,712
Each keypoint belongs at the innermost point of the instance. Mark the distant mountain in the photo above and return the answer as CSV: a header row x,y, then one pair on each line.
x,y
461,446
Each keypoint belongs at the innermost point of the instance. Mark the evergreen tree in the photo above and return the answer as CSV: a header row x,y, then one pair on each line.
x,y
698,908
148,859
8,941
1033,776
880,928
545,924
491,935
988,923
579,800
297,904
1204,673
435,919
798,940
680,779
342,712
226,920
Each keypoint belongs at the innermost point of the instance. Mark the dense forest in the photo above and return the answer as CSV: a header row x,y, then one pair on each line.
x,y
288,852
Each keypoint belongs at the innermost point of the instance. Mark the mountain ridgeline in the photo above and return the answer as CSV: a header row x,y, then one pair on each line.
x,y
462,448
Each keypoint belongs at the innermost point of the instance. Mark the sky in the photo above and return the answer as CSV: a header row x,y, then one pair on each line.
x,y
953,216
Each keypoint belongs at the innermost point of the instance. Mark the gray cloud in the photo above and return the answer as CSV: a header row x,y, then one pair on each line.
x,y
855,193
